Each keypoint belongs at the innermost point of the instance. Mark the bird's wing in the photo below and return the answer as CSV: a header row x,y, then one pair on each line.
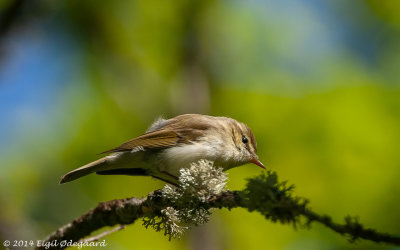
x,y
151,140
167,133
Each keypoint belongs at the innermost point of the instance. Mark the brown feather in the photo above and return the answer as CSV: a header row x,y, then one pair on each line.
x,y
181,129
156,139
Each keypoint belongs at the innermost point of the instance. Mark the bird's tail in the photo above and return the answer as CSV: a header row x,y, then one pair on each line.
x,y
89,168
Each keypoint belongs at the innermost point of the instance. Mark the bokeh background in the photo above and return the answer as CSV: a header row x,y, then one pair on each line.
x,y
317,81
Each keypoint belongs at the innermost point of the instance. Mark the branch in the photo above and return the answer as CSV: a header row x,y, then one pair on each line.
x,y
263,194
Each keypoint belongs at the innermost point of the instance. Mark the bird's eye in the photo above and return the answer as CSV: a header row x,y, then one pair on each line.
x,y
244,139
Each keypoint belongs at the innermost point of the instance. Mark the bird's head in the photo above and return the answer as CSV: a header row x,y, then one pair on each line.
x,y
242,142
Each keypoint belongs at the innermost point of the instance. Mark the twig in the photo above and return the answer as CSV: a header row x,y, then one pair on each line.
x,y
353,229
104,234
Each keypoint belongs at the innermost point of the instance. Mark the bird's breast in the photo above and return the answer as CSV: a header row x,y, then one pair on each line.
x,y
182,156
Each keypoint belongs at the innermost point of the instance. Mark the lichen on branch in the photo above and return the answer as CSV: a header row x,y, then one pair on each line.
x,y
273,199
201,188
197,184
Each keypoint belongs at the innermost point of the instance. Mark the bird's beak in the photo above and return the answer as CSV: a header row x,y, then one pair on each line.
x,y
257,162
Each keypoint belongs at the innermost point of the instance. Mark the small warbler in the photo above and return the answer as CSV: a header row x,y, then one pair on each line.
x,y
169,145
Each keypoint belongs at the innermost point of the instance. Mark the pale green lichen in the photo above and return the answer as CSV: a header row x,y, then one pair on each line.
x,y
197,184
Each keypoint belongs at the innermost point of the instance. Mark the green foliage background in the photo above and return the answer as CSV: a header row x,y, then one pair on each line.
x,y
318,83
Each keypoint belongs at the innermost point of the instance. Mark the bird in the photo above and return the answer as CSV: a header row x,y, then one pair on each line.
x,y
172,144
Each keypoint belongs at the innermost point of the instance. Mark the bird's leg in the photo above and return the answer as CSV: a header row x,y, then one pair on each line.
x,y
170,175
165,180
163,175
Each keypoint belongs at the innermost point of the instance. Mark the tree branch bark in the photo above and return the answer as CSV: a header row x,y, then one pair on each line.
x,y
127,211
